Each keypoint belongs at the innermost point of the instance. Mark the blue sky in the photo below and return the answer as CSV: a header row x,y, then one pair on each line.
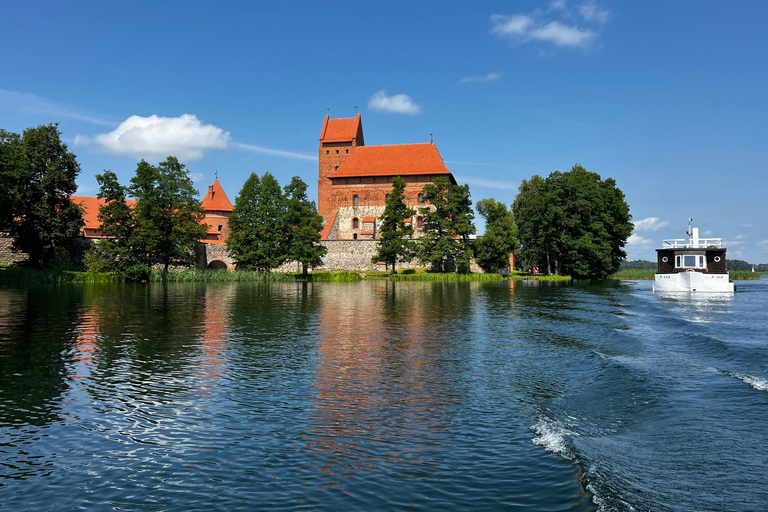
x,y
668,98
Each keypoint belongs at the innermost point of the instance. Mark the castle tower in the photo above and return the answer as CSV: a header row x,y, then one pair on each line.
x,y
217,211
338,138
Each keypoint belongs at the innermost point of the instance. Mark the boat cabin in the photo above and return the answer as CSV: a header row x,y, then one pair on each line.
x,y
692,255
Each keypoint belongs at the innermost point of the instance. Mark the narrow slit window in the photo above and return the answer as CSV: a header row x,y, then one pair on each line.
x,y
355,200
355,223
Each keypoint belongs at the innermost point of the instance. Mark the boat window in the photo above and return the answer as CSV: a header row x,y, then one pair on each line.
x,y
701,261
689,261
677,261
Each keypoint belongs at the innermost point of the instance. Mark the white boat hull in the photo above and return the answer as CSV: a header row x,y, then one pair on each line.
x,y
693,282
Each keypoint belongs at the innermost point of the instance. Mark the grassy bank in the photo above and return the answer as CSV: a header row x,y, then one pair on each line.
x,y
445,277
17,275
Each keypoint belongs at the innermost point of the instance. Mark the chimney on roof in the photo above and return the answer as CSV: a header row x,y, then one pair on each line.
x,y
210,191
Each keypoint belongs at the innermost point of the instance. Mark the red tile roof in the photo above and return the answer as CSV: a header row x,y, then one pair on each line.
x,y
91,207
339,130
394,160
215,199
328,226
369,219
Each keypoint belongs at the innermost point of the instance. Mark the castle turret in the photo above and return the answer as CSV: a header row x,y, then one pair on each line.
x,y
217,211
338,138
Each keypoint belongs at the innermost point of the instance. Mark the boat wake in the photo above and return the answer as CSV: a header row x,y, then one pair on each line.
x,y
755,382
552,436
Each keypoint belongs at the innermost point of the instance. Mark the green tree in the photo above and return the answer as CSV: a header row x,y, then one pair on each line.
x,y
447,225
46,221
14,167
395,243
500,239
461,226
258,224
529,211
167,215
114,254
304,226
575,223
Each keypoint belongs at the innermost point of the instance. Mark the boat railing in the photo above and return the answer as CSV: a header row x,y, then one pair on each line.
x,y
688,243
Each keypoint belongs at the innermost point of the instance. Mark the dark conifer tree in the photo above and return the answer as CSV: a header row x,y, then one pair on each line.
x,y
394,242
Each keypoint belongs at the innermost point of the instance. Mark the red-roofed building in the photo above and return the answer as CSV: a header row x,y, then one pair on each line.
x,y
217,211
354,179
216,204
91,207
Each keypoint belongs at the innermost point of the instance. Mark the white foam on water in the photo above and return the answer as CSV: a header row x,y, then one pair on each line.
x,y
553,438
755,382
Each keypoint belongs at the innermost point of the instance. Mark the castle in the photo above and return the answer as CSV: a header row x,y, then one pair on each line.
x,y
354,180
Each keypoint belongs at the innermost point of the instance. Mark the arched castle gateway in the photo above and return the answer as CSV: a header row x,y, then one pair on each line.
x,y
354,179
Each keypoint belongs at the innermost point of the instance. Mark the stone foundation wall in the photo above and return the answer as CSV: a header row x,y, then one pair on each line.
x,y
7,254
350,255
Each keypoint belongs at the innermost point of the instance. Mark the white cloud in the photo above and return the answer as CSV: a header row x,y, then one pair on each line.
x,y
197,177
747,226
638,241
740,237
490,77
557,5
539,26
156,137
395,104
274,152
707,232
763,242
650,224
591,12
562,35
516,25
36,105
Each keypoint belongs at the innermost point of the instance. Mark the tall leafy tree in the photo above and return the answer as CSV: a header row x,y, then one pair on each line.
x,y
45,219
492,250
167,215
535,226
574,222
258,224
303,226
115,253
394,241
447,225
14,166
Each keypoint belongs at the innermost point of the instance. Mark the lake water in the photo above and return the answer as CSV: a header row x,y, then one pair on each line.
x,y
383,396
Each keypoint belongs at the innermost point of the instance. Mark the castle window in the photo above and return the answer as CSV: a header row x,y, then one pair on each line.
x,y
354,237
419,222
337,151
421,198
346,151
336,168
355,223
219,227
355,200
327,152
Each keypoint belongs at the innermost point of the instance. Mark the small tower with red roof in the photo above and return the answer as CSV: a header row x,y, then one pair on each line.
x,y
217,211
338,138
